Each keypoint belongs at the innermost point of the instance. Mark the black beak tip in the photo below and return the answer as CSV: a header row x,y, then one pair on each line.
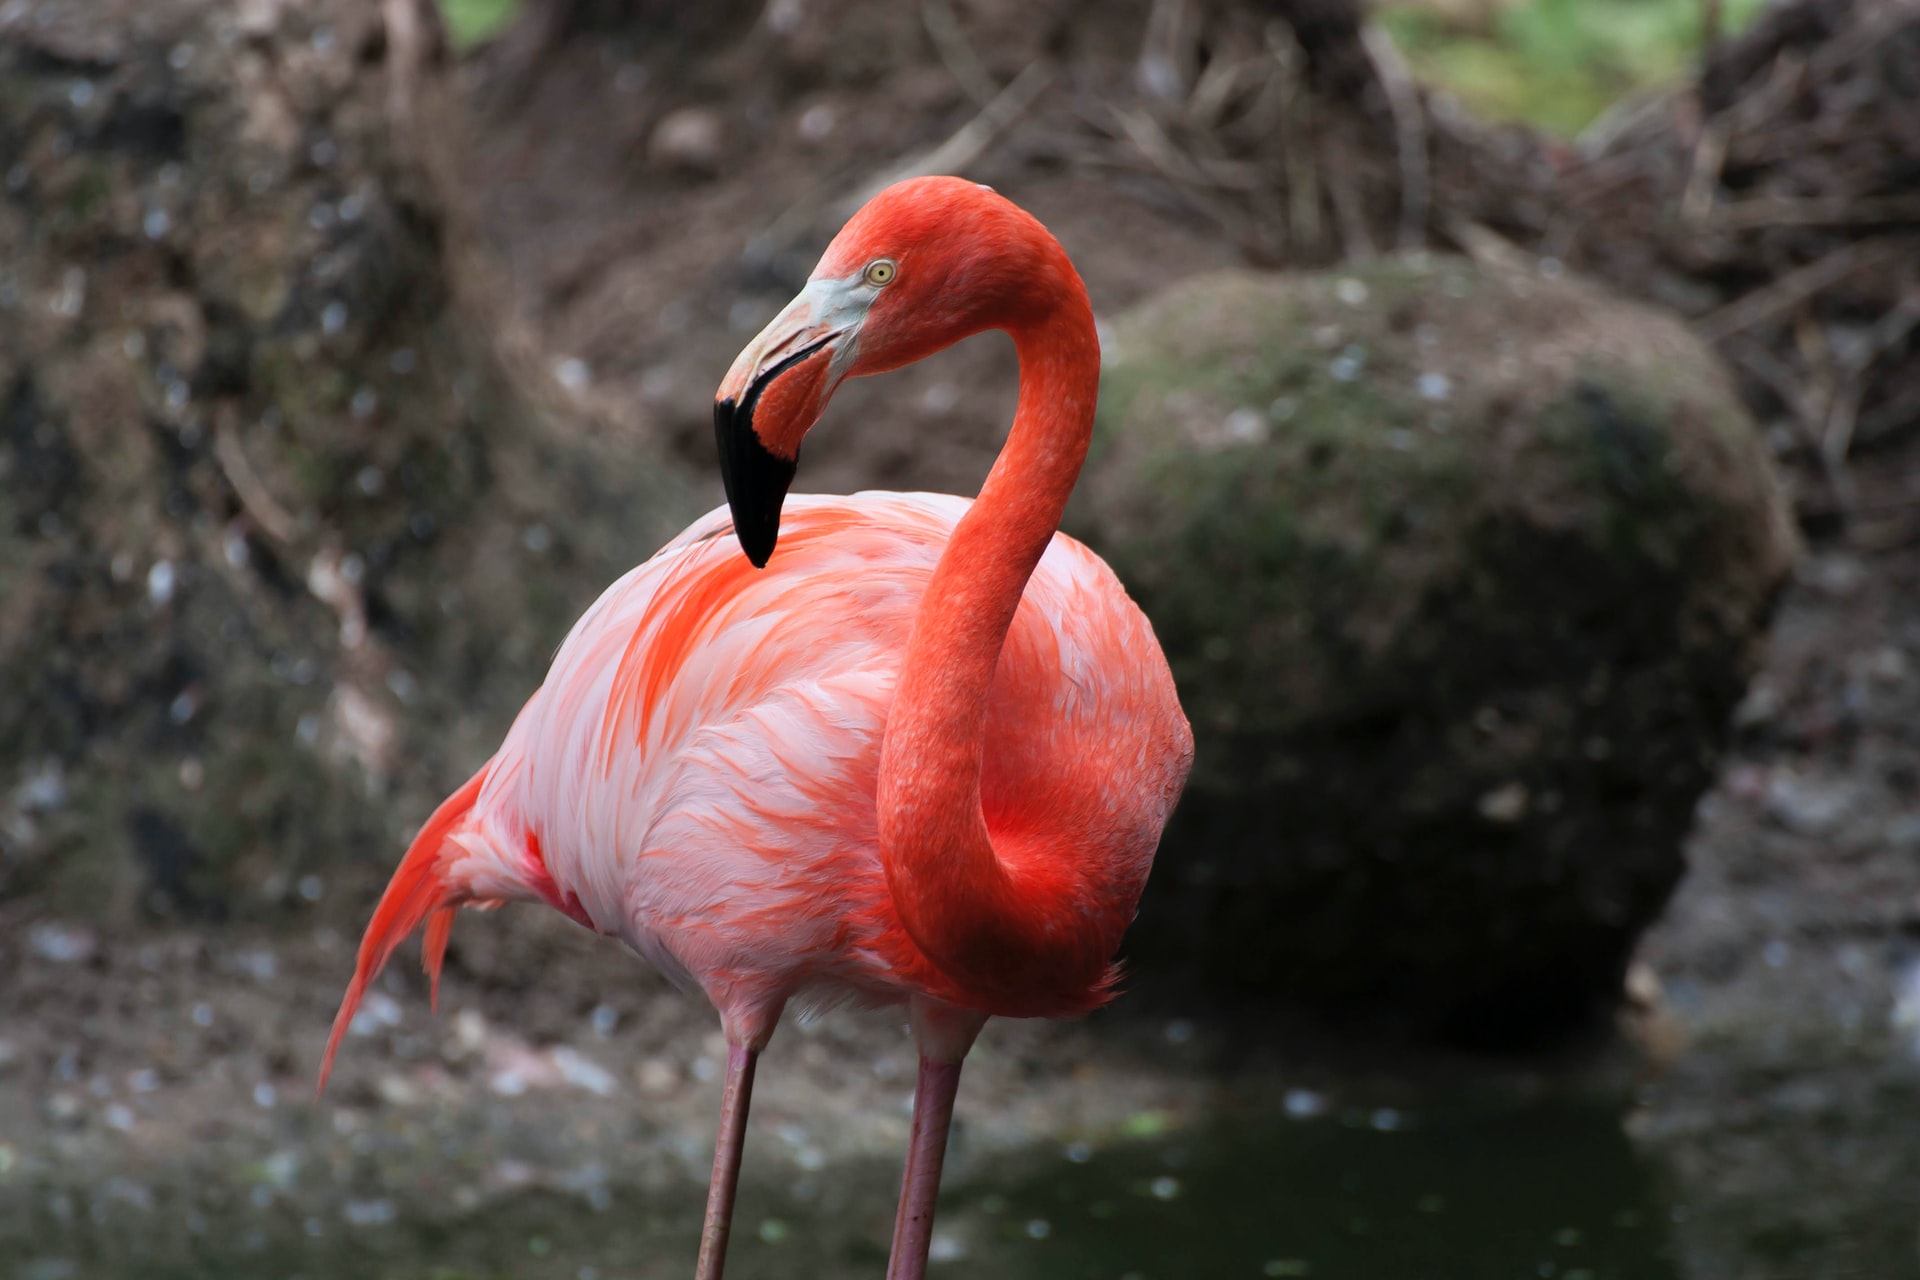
x,y
758,545
756,478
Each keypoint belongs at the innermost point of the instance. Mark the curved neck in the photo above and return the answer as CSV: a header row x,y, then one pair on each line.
x,y
993,929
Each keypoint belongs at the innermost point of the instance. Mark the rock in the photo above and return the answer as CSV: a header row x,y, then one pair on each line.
x,y
1461,574
262,487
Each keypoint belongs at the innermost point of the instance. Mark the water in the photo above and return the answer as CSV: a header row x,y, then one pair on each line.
x,y
1552,1190
1459,1187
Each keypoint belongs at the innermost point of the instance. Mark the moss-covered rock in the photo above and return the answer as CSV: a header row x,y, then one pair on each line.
x,y
281,550
1460,573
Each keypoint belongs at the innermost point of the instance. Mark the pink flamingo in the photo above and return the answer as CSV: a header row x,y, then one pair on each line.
x,y
922,755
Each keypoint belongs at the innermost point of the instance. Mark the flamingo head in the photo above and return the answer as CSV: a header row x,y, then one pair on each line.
x,y
925,263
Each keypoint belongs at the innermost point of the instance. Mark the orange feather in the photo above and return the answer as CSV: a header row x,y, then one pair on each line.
x,y
419,889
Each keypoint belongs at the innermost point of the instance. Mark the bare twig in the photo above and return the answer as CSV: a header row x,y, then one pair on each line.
x,y
1410,134
1151,143
255,498
1758,361
965,146
1213,92
1349,212
409,40
1703,178
972,139
1488,247
1813,211
1303,187
1794,288
956,51
1165,68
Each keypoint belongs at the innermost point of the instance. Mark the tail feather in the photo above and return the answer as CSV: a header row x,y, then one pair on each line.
x,y
433,950
418,891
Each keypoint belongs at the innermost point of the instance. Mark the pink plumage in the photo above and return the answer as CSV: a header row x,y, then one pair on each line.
x,y
923,756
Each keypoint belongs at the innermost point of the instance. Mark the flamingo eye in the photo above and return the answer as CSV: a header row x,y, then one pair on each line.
x,y
880,272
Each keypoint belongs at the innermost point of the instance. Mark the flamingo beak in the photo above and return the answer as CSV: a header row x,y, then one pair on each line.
x,y
771,398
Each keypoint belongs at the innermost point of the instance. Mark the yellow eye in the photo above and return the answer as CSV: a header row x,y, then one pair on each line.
x,y
880,272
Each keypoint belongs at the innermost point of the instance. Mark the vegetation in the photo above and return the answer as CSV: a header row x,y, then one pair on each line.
x,y
471,21
1556,64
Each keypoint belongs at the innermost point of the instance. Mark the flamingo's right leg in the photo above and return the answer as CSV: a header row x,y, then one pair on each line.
x,y
943,1034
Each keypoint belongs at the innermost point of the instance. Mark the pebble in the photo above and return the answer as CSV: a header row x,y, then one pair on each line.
x,y
1244,426
818,121
257,963
583,1072
1906,1004
1806,806
688,138
469,1036
376,1012
1505,805
1304,1104
60,943
573,374
1838,575
946,1248
160,582
940,398
656,1075
43,789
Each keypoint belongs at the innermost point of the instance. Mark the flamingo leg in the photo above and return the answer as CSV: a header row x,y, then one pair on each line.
x,y
734,1098
944,1035
926,1152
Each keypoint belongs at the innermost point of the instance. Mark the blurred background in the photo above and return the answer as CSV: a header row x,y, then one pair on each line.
x,y
1511,422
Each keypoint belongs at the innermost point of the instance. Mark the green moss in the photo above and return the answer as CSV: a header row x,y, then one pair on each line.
x,y
1556,64
89,191
1301,520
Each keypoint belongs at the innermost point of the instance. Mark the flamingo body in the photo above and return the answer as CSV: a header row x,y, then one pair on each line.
x,y
907,748
696,775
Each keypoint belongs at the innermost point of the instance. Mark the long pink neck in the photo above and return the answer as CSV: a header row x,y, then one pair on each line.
x,y
1001,931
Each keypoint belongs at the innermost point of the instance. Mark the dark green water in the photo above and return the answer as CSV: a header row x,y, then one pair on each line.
x,y
1455,1188
1542,1191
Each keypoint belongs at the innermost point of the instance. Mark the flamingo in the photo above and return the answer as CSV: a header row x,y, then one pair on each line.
x,y
908,749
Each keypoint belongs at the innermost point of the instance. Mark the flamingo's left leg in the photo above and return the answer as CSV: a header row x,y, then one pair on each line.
x,y
943,1035
748,1029
727,1147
